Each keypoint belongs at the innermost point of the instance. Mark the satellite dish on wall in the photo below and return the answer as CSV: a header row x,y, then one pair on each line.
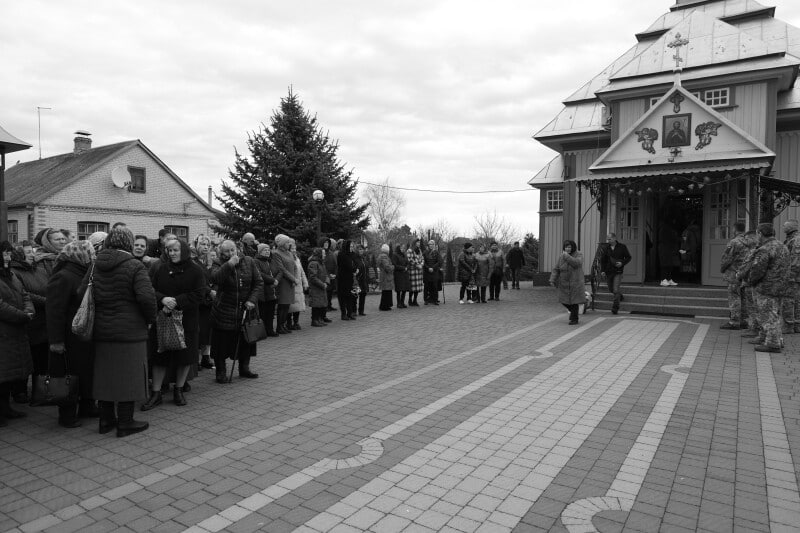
x,y
120,177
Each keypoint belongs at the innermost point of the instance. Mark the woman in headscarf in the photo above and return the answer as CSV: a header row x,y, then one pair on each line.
x,y
68,353
125,304
16,311
203,259
180,285
568,277
386,273
416,262
317,287
283,267
299,304
345,274
268,300
485,267
401,282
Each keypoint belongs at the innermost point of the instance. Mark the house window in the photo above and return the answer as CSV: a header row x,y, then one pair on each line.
x,y
181,232
87,228
555,200
13,231
717,97
138,180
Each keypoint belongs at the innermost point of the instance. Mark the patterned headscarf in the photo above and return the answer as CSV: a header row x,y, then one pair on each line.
x,y
80,252
120,238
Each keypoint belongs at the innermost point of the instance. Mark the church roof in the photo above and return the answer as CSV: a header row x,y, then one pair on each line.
x,y
583,117
727,11
553,172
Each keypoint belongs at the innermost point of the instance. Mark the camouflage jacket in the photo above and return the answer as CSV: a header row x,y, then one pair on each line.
x,y
733,257
792,242
743,274
769,272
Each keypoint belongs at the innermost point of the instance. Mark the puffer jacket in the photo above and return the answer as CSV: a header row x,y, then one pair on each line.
x,y
467,265
125,302
63,302
317,281
235,286
15,305
568,277
265,269
433,266
733,257
769,272
34,278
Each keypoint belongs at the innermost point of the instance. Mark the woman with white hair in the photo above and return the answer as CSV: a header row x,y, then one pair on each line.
x,y
386,273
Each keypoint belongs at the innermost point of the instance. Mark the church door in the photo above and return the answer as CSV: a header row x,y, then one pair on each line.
x,y
629,231
725,204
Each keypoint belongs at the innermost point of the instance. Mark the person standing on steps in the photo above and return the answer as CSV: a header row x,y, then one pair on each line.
x,y
613,262
515,259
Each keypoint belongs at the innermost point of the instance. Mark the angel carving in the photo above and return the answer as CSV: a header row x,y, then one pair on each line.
x,y
647,136
704,132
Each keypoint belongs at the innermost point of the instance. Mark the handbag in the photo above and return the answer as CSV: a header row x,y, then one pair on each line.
x,y
253,329
169,331
49,390
83,321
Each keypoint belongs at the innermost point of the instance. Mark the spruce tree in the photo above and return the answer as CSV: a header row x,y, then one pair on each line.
x,y
270,190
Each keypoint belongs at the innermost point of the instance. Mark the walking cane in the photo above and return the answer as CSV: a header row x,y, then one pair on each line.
x,y
238,339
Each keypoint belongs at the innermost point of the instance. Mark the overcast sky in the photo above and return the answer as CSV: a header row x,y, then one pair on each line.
x,y
430,94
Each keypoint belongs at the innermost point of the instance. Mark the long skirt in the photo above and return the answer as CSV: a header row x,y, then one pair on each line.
x,y
120,371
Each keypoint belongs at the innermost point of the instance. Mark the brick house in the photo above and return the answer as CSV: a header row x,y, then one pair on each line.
x,y
75,191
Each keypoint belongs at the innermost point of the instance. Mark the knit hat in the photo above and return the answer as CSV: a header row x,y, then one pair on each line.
x,y
120,238
281,239
261,247
97,238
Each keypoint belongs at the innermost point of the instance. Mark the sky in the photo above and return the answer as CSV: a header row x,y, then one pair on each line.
x,y
438,95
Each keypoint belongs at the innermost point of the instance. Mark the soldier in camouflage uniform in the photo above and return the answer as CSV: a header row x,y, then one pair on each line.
x,y
791,302
769,275
730,264
749,310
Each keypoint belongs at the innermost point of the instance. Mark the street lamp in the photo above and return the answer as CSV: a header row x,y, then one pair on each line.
x,y
318,197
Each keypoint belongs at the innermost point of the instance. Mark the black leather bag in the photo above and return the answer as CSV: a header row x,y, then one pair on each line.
x,y
49,390
253,328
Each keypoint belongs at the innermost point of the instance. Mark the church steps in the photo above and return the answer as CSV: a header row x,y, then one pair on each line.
x,y
683,301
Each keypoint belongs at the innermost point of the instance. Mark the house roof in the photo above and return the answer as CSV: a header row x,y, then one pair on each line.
x,y
11,143
35,181
553,172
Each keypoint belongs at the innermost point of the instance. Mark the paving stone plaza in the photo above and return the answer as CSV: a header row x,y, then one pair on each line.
x,y
456,418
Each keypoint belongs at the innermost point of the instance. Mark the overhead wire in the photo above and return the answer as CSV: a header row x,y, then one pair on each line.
x,y
445,191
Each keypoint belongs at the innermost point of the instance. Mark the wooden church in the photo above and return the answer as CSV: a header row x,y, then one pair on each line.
x,y
695,127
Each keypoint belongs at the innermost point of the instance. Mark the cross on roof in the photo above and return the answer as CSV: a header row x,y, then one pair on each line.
x,y
677,44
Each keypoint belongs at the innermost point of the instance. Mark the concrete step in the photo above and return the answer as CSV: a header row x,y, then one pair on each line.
x,y
666,309
673,301
655,299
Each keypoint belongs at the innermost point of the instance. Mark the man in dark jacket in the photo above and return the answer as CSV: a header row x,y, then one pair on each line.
x,y
615,257
515,260
769,276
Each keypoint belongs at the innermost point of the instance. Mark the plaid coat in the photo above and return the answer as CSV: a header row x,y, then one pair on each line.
x,y
415,263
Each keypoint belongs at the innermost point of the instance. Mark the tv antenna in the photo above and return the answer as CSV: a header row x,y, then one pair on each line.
x,y
39,114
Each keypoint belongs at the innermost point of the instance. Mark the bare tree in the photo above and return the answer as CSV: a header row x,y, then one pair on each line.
x,y
385,207
491,227
440,231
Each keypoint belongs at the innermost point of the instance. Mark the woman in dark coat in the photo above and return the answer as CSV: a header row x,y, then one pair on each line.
x,y
268,300
317,287
431,274
362,277
180,285
402,283
239,285
125,304
16,311
283,267
567,276
467,265
386,274
345,275
67,351
203,259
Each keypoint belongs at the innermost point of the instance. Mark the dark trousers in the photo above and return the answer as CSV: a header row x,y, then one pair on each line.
x,y
362,299
431,292
386,300
614,282
267,312
494,285
515,278
331,289
283,314
482,291
573,311
471,295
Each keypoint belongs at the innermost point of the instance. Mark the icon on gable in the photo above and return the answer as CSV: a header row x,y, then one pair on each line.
x,y
647,136
675,130
704,132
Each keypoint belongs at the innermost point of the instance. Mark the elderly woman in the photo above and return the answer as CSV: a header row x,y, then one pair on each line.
x,y
16,311
317,287
125,305
299,304
268,300
467,266
416,263
283,266
431,275
568,277
345,275
485,266
180,285
238,284
402,283
362,278
203,259
67,351
386,273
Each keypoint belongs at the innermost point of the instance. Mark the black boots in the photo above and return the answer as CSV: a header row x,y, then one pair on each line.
x,y
153,401
177,396
107,419
126,425
244,368
205,361
222,371
68,415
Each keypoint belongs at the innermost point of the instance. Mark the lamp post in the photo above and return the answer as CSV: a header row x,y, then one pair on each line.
x,y
318,197
8,144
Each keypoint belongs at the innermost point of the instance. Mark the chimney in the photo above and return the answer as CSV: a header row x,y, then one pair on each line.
x,y
210,196
82,142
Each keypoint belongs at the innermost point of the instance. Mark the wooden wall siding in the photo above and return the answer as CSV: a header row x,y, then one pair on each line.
x,y
749,113
590,232
551,235
629,112
787,167
589,226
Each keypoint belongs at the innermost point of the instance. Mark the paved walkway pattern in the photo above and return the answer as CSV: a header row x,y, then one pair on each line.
x,y
457,418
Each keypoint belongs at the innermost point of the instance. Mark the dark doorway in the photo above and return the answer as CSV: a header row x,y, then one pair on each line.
x,y
678,227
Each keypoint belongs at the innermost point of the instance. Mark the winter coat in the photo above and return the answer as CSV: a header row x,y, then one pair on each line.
x,y
345,272
186,282
432,268
283,269
743,274
515,258
769,272
331,262
363,276
484,268
235,286
299,303
34,278
264,266
733,257
15,305
568,277
467,265
499,262
317,282
203,266
401,279
610,257
124,299
386,272
62,304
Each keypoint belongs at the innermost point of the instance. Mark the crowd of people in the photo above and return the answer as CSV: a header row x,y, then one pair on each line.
x,y
147,292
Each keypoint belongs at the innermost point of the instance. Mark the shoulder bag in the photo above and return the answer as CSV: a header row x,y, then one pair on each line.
x,y
83,321
253,329
49,390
